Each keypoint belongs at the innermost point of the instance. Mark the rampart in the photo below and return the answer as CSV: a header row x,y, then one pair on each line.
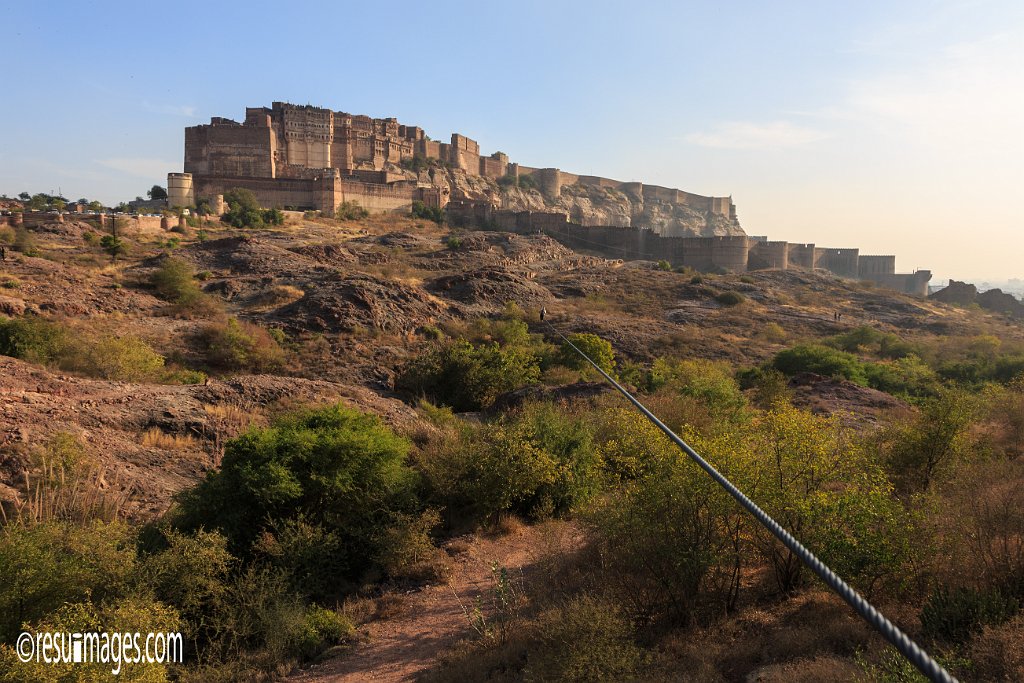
x,y
731,253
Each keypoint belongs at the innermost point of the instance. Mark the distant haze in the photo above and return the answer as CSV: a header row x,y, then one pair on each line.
x,y
892,127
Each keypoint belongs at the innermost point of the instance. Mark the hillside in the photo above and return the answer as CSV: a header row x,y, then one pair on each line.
x,y
142,377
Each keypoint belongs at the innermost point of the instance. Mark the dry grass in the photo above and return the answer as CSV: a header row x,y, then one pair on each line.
x,y
66,485
276,296
233,415
154,437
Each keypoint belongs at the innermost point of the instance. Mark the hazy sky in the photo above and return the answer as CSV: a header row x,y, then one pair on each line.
x,y
893,127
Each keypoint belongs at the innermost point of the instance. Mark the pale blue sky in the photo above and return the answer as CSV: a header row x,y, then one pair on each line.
x,y
897,129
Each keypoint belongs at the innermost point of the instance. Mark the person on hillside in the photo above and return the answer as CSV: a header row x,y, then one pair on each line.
x,y
543,312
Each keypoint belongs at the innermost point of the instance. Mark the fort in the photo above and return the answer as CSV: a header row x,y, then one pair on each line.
x,y
304,157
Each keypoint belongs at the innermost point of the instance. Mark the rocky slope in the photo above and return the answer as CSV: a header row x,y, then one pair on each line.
x,y
586,205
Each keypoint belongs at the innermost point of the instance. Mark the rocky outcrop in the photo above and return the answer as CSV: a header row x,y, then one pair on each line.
x,y
960,293
586,205
965,294
1001,302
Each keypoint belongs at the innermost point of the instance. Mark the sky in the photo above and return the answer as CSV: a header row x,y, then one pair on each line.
x,y
897,128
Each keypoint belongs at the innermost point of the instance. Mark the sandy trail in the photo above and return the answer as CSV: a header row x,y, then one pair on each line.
x,y
431,620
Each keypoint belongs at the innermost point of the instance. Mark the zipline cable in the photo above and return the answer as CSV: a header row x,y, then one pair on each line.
x,y
901,641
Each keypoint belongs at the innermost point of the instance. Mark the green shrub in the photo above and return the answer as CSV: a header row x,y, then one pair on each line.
x,y
667,542
536,462
24,242
629,445
113,245
587,639
730,298
49,564
711,382
453,242
821,360
924,447
33,339
955,615
334,468
125,359
174,280
664,265
405,549
431,213
830,493
237,346
244,210
598,350
468,377
350,211
909,377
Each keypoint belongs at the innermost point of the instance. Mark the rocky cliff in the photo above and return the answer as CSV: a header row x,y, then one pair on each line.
x,y
587,205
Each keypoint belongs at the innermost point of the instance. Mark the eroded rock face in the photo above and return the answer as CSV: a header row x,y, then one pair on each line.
x,y
588,205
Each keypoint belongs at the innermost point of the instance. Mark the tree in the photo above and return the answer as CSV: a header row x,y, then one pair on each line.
x,y
95,206
597,349
58,204
24,196
156,192
244,210
113,245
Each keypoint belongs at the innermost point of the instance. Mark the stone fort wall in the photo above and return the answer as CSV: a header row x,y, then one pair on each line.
x,y
286,142
734,253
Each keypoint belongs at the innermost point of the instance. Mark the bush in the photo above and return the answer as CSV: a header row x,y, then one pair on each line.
x,y
432,213
47,565
125,359
24,242
239,346
955,615
33,339
174,281
113,245
821,360
664,265
730,298
468,377
350,211
333,468
453,242
908,377
244,210
587,639
832,495
928,445
537,462
668,543
711,382
598,350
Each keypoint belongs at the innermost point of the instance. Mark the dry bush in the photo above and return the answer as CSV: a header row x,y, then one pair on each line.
x,y
277,296
997,654
154,437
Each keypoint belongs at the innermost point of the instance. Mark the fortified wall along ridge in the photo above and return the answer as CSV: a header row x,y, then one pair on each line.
x,y
312,158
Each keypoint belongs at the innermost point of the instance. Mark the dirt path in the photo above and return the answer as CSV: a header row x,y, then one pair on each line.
x,y
431,620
